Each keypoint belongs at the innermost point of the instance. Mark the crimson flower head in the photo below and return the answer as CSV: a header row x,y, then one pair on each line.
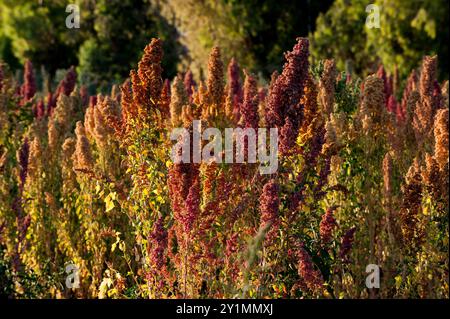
x,y
269,202
28,89
231,245
92,100
150,70
249,109
159,241
165,98
327,224
24,223
399,112
392,104
189,84
288,135
40,109
67,85
347,243
411,85
428,76
310,277
51,103
387,81
316,146
23,155
234,86
284,99
192,205
215,81
437,95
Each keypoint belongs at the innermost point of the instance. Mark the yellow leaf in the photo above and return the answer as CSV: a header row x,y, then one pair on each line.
x,y
160,199
398,281
109,204
112,292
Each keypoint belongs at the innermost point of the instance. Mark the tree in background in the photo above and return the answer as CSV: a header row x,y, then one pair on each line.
x,y
6,51
37,31
255,32
408,30
413,29
107,44
121,28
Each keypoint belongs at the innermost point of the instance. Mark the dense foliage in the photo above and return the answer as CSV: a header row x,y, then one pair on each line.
x,y
408,30
105,47
256,33
362,179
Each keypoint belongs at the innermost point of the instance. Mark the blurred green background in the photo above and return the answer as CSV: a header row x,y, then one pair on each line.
x,y
113,33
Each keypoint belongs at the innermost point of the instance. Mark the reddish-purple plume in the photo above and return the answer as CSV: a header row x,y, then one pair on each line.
x,y
40,109
285,94
347,243
327,224
189,84
411,85
309,276
24,153
192,206
65,86
234,86
249,109
159,241
269,203
28,89
92,100
391,104
69,81
387,81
